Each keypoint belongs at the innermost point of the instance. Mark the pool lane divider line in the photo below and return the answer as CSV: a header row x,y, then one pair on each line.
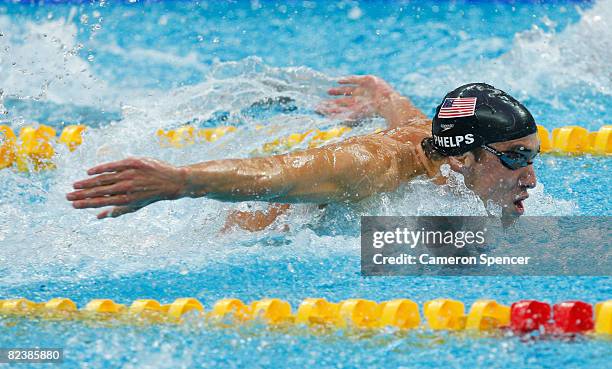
x,y
33,149
525,316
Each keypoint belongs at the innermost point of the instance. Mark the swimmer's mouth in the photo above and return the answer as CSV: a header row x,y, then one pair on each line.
x,y
518,204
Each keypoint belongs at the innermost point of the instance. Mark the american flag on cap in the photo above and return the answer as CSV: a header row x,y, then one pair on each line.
x,y
455,107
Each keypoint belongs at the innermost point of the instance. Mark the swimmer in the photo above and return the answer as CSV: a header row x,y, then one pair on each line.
x,y
479,131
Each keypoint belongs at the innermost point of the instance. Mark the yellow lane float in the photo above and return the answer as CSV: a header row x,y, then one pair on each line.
x,y
272,311
358,313
213,134
232,309
60,304
400,313
570,140
486,315
316,311
603,317
147,306
72,136
19,306
601,143
445,314
104,306
35,148
544,136
286,143
321,137
58,309
183,306
7,147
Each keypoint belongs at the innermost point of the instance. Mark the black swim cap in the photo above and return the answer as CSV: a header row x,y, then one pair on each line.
x,y
476,114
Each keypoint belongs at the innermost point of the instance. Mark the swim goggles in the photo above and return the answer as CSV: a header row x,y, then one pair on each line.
x,y
515,159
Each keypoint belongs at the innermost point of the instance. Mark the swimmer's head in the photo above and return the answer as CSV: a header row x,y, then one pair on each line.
x,y
477,114
491,139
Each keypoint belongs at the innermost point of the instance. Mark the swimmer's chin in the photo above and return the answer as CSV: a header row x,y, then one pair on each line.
x,y
511,214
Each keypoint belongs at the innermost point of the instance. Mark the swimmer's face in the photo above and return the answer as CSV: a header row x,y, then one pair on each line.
x,y
491,180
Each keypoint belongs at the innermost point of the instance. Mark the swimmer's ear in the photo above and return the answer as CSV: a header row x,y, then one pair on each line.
x,y
461,163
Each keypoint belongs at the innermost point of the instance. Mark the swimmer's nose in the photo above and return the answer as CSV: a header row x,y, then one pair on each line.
x,y
528,177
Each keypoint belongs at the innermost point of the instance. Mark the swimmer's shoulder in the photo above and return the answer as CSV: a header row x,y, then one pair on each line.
x,y
410,135
413,158
403,146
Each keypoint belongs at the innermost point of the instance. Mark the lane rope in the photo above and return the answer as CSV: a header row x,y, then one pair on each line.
x,y
34,148
568,317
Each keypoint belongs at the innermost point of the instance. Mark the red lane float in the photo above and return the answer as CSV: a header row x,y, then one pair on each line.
x,y
573,317
529,315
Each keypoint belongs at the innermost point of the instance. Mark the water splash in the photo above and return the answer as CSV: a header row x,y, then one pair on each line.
x,y
42,61
546,69
42,233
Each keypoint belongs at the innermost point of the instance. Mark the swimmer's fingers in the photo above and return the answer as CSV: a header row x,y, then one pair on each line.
x,y
325,107
356,80
341,91
123,187
342,101
348,101
100,202
118,211
331,109
124,199
103,179
116,166
345,108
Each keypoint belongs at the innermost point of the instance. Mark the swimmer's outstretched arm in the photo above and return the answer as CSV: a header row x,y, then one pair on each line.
x,y
350,170
367,96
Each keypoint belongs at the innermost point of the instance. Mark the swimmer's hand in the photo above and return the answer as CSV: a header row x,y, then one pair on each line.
x,y
369,96
128,185
363,98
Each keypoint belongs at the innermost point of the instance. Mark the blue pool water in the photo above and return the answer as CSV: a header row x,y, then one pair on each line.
x,y
128,68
